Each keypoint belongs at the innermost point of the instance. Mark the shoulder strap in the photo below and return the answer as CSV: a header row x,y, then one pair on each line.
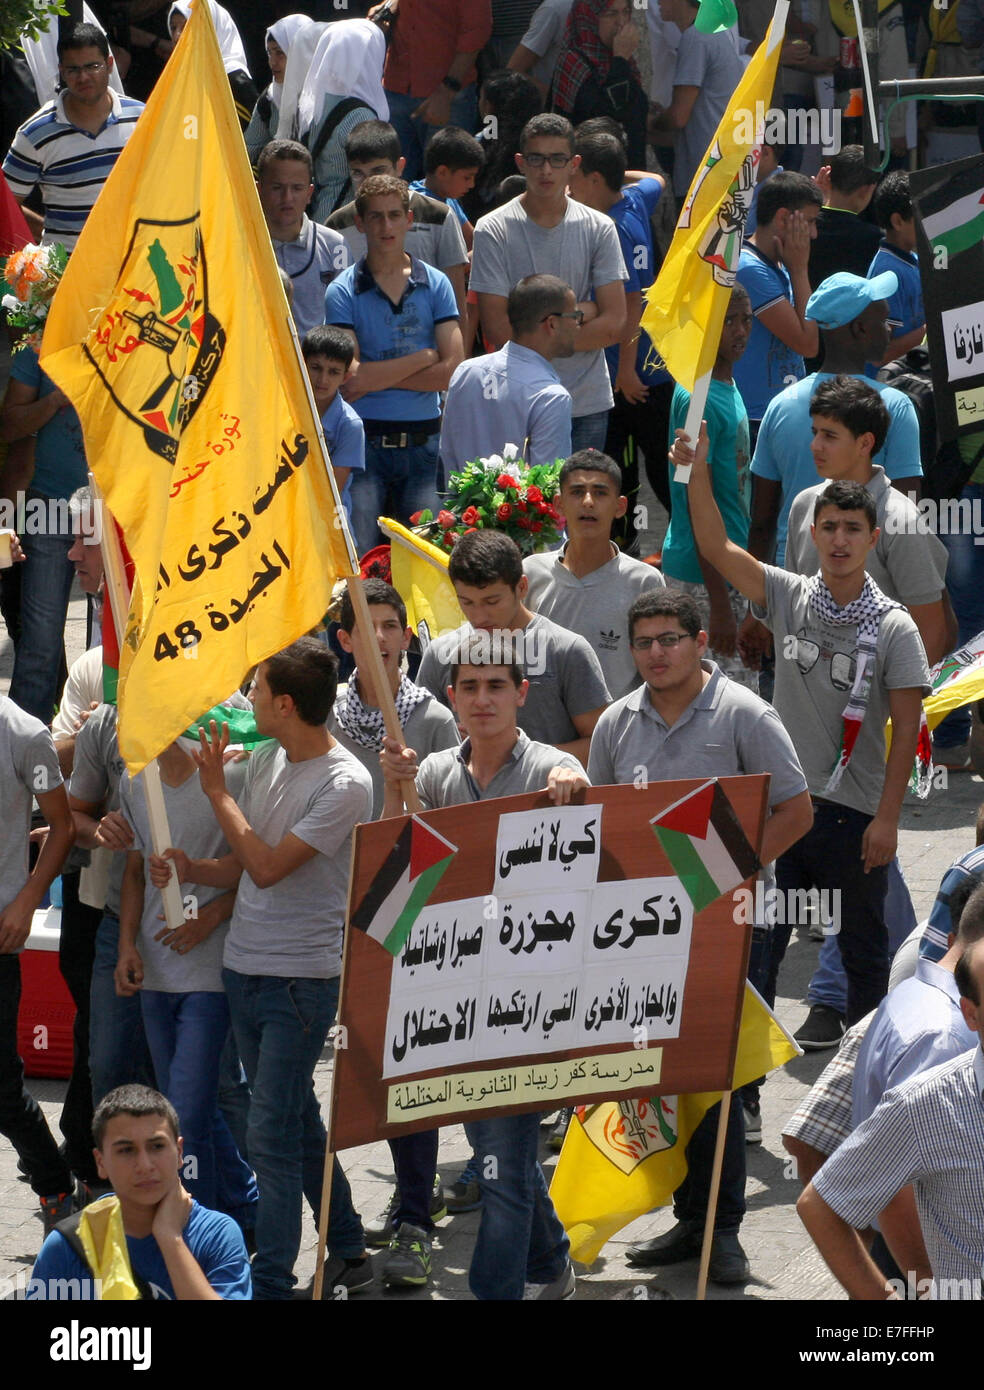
x,y
69,1231
334,120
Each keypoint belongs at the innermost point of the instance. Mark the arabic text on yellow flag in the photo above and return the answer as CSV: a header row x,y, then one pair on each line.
x,y
686,304
420,576
623,1158
170,335
103,1239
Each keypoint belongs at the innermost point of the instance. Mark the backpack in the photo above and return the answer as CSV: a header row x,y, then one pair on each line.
x,y
69,1230
338,114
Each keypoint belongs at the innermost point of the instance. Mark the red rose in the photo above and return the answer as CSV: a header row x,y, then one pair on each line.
x,y
536,525
471,530
446,519
522,506
543,509
469,516
523,522
504,481
504,512
533,494
415,519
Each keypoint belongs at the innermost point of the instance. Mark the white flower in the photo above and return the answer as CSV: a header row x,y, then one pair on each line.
x,y
493,464
510,452
10,301
513,470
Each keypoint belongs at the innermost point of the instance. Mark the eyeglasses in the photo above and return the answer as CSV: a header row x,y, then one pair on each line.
x,y
665,639
556,161
576,314
88,69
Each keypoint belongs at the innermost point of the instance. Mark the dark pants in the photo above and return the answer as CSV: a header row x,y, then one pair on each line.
x,y
76,953
829,857
21,1119
690,1198
642,428
415,1165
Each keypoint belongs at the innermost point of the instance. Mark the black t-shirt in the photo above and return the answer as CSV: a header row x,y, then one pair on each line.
x,y
844,241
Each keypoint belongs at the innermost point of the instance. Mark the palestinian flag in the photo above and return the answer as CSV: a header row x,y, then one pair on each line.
x,y
110,639
241,722
412,870
954,217
704,842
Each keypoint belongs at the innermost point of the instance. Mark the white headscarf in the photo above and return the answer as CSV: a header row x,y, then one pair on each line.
x,y
41,55
230,44
283,34
302,50
348,62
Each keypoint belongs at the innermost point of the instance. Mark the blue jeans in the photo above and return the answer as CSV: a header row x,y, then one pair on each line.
x,y
965,584
234,1093
829,983
589,431
520,1240
46,582
395,483
415,1166
187,1033
690,1198
281,1025
118,1051
414,136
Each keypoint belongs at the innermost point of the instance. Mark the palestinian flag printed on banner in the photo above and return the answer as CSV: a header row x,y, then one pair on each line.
x,y
957,225
409,874
702,837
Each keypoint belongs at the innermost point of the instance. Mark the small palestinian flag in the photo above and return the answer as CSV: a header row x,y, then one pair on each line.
x,y
410,873
953,217
703,840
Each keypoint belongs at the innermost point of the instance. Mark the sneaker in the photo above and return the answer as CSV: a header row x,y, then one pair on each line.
x,y
55,1209
438,1206
556,1137
815,932
351,1275
562,1287
88,1192
408,1263
380,1232
465,1194
824,1027
753,1123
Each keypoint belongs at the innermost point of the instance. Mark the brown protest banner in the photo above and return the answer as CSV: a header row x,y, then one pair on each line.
x,y
544,955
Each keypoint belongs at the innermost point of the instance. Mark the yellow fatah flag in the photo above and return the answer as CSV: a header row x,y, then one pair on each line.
x,y
686,304
100,1230
170,334
420,576
623,1158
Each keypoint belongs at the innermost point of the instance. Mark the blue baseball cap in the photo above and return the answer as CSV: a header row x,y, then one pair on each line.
x,y
842,298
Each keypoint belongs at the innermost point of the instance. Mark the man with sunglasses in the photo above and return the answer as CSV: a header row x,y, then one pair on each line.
x,y
70,145
545,230
514,396
688,719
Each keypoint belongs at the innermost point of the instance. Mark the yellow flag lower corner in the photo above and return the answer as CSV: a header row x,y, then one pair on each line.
x,y
420,576
103,1239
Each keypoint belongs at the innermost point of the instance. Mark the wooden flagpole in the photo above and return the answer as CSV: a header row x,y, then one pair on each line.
x,y
712,1196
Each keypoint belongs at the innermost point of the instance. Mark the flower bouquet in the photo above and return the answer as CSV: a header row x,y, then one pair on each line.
x,y
498,494
32,275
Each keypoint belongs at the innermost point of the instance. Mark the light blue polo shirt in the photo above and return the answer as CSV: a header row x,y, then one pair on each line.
x,y
346,441
59,453
385,330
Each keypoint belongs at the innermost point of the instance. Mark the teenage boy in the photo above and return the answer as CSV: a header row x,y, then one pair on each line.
x,y
543,230
845,240
514,396
328,356
310,254
452,162
567,690
721,607
897,251
28,769
177,1248
772,267
688,720
589,585
403,319
290,845
848,658
434,236
521,1251
639,418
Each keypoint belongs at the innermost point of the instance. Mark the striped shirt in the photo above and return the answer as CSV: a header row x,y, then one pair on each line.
x,y
69,164
823,1117
969,866
929,1132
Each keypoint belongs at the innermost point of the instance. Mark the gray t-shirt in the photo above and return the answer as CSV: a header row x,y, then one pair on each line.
x,y
28,764
908,562
434,236
443,779
430,727
564,674
194,829
814,674
711,63
583,250
596,606
726,732
96,775
545,37
295,927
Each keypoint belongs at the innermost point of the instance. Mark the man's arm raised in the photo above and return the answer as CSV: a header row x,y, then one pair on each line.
x,y
740,569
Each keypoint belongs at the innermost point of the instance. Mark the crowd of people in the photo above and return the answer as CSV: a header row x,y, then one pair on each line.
x,y
467,202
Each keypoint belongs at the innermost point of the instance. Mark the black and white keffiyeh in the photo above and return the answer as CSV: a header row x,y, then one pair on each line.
x,y
365,726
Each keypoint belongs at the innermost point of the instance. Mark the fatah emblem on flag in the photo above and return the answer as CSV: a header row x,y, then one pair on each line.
x,y
703,840
410,873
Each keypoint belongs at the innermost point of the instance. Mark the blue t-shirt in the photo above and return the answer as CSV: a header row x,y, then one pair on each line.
x,y
767,365
727,433
906,304
420,186
346,441
783,454
631,216
385,330
59,452
212,1237
751,221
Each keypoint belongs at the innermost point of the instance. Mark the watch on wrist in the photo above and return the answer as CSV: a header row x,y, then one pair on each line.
x,y
452,84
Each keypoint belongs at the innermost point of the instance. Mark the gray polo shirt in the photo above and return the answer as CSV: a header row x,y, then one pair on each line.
x,y
430,728
596,606
28,763
908,562
96,775
815,666
443,779
725,732
312,261
564,674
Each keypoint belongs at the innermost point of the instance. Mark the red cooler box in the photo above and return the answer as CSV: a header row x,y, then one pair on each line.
x,y
47,1013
